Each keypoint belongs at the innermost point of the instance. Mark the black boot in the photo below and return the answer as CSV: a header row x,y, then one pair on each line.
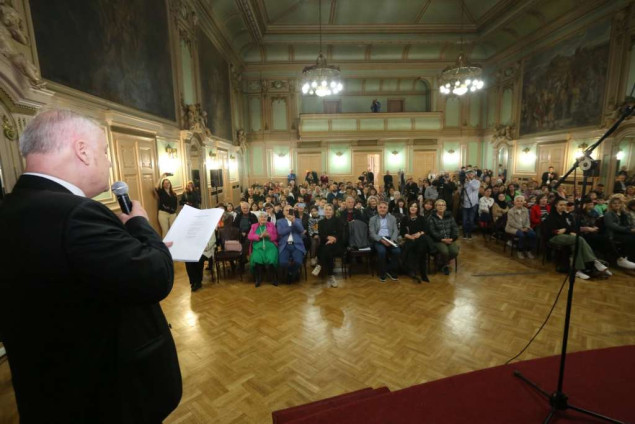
x,y
424,272
258,274
274,271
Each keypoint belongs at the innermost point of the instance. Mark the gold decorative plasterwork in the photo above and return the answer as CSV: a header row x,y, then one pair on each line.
x,y
7,129
186,21
194,119
11,32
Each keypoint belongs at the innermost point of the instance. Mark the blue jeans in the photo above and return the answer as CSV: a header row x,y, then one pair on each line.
x,y
469,218
291,252
526,241
384,265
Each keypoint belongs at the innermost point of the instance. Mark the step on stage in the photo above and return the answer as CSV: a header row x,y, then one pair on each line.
x,y
601,380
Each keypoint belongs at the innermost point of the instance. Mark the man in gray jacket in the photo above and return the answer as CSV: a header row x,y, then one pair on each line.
x,y
383,230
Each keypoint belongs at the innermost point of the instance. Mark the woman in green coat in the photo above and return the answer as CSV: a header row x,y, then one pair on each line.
x,y
264,248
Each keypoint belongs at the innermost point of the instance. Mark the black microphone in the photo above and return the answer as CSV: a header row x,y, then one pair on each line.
x,y
120,189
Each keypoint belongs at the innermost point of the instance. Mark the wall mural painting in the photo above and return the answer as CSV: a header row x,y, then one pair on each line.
x,y
114,49
215,88
563,87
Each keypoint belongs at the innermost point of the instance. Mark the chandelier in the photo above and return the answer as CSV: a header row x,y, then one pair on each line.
x,y
321,79
462,77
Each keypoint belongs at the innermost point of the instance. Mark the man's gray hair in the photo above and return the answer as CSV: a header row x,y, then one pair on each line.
x,y
49,130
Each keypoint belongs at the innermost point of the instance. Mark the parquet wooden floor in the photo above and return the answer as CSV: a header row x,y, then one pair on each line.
x,y
245,352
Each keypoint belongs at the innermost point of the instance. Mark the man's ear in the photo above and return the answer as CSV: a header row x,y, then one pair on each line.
x,y
82,151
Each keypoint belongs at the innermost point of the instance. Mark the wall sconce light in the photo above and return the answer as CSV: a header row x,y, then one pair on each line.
x,y
338,154
619,155
526,150
394,152
232,157
281,154
171,151
451,151
581,148
212,154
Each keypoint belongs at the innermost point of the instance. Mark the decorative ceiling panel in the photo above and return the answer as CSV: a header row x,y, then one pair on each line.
x,y
349,12
386,30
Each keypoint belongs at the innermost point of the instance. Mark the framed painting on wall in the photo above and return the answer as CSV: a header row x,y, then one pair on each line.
x,y
563,86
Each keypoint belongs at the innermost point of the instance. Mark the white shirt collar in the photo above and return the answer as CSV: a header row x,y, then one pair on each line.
x,y
70,187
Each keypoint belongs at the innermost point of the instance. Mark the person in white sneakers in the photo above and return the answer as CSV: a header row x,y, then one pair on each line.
x,y
314,219
331,231
560,227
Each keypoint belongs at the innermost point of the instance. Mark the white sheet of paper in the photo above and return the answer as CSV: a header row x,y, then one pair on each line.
x,y
191,231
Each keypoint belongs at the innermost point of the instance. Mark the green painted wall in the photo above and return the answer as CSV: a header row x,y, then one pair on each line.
x,y
506,107
452,111
189,93
472,153
394,162
339,159
170,164
450,162
475,110
279,115
280,161
257,159
526,161
255,114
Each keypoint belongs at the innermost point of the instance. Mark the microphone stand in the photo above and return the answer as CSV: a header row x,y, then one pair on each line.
x,y
558,400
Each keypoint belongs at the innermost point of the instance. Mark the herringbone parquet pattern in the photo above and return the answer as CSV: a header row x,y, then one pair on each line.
x,y
245,352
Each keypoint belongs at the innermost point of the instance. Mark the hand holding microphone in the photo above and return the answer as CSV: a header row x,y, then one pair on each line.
x,y
129,209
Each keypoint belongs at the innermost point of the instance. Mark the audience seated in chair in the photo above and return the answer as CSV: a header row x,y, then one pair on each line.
x,y
500,207
560,226
383,230
619,229
195,269
264,248
244,221
485,204
518,225
444,232
331,233
417,243
540,211
291,248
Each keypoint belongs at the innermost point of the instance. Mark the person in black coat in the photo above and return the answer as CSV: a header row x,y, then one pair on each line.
x,y
85,335
388,182
549,176
370,177
243,221
331,231
414,230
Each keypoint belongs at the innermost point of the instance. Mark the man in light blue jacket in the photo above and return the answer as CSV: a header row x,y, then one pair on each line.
x,y
469,203
384,233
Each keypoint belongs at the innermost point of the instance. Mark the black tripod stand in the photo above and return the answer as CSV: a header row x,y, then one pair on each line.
x,y
558,400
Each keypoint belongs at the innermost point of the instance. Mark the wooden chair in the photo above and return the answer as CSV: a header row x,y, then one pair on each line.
x,y
515,242
232,258
435,262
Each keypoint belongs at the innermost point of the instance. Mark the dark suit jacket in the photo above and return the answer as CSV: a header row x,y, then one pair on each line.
x,y
388,181
86,338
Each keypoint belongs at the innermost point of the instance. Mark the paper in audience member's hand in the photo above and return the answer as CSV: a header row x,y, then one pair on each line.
x,y
191,232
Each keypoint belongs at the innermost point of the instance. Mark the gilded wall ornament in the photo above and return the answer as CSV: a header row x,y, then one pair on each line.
x,y
12,30
8,129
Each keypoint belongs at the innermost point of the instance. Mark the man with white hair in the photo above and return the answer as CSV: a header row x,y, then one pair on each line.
x,y
79,298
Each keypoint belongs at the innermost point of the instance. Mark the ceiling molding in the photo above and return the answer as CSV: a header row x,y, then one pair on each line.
x,y
332,12
216,33
250,19
422,11
372,29
284,13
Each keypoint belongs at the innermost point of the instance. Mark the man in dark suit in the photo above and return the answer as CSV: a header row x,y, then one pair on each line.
x,y
86,338
549,177
370,177
388,181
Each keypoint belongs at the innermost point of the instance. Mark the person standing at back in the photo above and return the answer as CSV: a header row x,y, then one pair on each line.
x,y
86,338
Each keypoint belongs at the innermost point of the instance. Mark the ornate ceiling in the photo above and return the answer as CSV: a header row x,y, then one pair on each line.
x,y
286,31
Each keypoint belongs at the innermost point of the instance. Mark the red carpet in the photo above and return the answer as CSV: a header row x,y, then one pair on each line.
x,y
599,380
